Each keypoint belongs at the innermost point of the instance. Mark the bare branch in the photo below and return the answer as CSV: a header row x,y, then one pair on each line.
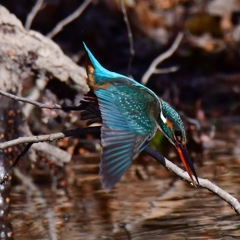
x,y
204,183
130,36
32,139
151,70
38,104
33,13
69,19
166,70
48,137
26,100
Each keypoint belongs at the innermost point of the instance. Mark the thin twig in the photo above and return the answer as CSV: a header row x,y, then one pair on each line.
x,y
166,70
48,137
26,100
32,139
152,69
40,105
233,202
43,138
15,163
33,13
58,28
204,183
130,36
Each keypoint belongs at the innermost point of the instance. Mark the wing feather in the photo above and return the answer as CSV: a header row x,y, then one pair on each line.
x,y
127,128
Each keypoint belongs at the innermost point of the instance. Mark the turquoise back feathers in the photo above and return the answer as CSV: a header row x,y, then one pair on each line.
x,y
102,75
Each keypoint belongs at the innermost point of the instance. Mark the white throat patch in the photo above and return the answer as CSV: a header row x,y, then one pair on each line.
x,y
163,118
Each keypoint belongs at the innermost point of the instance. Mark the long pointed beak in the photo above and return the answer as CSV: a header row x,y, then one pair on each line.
x,y
186,160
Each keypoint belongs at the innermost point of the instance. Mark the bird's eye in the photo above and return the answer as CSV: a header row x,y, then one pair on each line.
x,y
178,135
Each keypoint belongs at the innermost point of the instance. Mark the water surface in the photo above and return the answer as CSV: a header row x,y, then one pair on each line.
x,y
156,206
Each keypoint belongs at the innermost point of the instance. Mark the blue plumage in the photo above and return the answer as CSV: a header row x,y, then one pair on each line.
x,y
124,131
101,74
131,114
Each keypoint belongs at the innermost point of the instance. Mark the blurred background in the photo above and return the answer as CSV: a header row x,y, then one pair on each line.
x,y
201,79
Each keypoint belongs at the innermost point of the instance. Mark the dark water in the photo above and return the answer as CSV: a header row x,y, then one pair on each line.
x,y
159,207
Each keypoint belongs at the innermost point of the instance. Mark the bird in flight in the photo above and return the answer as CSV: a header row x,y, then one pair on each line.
x,y
131,114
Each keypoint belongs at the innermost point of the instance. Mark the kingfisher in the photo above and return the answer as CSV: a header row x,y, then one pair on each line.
x,y
131,114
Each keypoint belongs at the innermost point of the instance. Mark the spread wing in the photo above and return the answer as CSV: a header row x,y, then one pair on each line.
x,y
128,126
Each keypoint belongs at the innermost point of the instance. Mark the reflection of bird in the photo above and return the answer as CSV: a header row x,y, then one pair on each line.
x,y
131,114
